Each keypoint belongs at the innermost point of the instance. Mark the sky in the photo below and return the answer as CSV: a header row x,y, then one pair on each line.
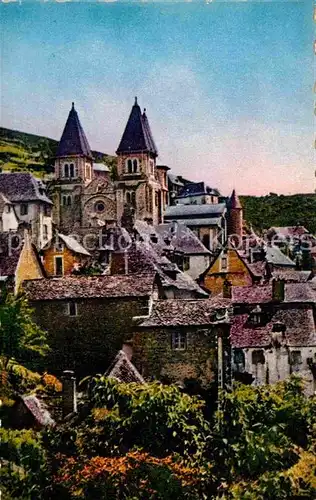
x,y
228,86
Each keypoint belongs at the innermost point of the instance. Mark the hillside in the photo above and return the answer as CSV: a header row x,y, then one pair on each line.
x,y
263,212
20,151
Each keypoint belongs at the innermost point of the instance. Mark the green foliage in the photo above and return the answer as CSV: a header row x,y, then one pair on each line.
x,y
20,338
23,460
263,212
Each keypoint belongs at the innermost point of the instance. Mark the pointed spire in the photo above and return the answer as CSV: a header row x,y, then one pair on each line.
x,y
137,136
234,201
73,140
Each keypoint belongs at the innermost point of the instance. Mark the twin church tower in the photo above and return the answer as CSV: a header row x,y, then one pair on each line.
x,y
83,192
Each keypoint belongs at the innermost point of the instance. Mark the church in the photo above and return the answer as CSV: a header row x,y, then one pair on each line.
x,y
85,196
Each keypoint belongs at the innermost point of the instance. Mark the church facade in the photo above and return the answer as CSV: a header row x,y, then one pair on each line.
x,y
85,197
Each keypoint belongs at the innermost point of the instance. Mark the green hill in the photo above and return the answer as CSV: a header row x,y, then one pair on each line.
x,y
263,212
20,151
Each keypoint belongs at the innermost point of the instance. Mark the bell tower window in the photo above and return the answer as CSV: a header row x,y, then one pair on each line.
x,y
129,166
66,170
135,166
71,170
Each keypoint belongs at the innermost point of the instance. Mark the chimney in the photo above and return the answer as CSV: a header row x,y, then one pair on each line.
x,y
227,290
278,290
69,396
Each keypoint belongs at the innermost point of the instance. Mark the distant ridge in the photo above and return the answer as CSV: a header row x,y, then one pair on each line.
x,y
21,151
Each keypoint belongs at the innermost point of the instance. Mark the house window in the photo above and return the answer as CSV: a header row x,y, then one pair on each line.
x,y
224,262
258,357
45,231
23,209
133,198
179,341
129,166
67,201
59,266
72,309
47,210
8,209
186,263
128,197
295,360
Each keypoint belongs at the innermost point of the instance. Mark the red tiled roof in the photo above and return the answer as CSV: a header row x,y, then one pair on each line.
x,y
84,287
181,312
299,323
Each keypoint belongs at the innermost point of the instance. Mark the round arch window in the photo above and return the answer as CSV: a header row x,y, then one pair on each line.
x,y
99,206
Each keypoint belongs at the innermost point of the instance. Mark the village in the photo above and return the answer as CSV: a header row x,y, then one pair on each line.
x,y
151,276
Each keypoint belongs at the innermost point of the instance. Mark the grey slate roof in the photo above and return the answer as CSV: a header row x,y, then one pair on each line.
x,y
73,140
195,211
181,238
276,257
22,187
137,136
70,243
197,188
100,167
123,370
38,409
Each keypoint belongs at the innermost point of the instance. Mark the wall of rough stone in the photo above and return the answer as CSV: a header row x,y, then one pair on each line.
x,y
154,357
87,343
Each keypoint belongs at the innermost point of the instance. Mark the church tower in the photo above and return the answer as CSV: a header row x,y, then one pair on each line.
x,y
73,171
234,219
139,180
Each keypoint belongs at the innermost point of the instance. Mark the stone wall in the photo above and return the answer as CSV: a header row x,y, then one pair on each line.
x,y
87,343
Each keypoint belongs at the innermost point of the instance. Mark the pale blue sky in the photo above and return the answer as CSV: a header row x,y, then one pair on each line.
x,y
228,87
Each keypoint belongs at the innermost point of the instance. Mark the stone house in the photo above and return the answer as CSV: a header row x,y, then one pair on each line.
x,y
183,340
19,260
88,318
273,333
228,266
8,218
62,255
31,203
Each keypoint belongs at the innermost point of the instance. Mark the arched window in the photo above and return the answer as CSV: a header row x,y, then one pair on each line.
x,y
71,170
128,197
133,199
129,166
135,165
68,200
66,170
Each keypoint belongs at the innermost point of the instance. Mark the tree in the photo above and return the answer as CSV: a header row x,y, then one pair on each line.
x,y
20,338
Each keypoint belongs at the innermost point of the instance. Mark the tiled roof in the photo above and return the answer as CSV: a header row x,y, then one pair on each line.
x,y
294,292
180,312
73,140
299,323
257,268
123,370
22,187
89,287
38,410
73,244
181,237
291,275
276,257
195,211
137,136
288,231
197,188
100,167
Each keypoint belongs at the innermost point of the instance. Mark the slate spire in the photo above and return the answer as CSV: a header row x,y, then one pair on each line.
x,y
73,140
137,136
234,201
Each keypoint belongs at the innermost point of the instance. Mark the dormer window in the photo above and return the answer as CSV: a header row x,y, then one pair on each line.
x,y
224,262
257,316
